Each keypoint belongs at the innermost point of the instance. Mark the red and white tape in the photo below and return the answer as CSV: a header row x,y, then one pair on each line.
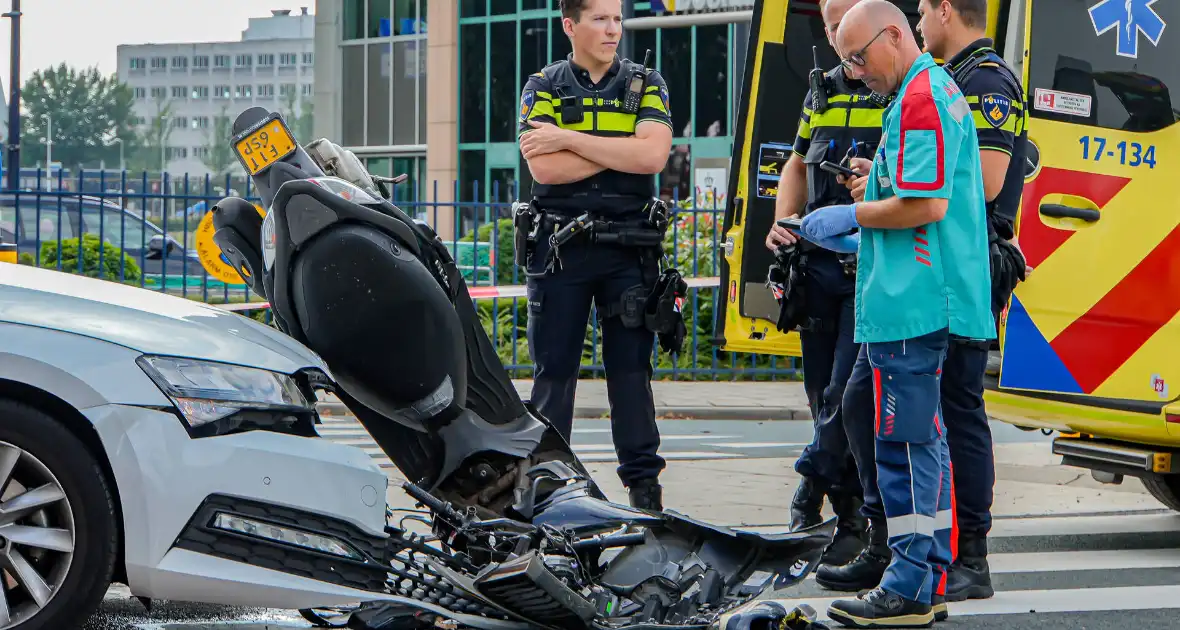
x,y
487,293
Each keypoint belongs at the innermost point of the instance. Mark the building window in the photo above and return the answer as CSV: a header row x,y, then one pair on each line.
x,y
159,92
200,152
308,58
712,81
305,89
159,63
352,97
288,59
288,89
200,122
473,71
201,61
179,91
266,91
140,92
177,153
221,91
200,92
137,63
504,91
244,91
473,8
266,60
244,61
180,122
180,63
354,19
381,67
221,61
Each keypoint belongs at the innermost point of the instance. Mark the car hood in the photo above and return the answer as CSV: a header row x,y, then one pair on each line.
x,y
144,320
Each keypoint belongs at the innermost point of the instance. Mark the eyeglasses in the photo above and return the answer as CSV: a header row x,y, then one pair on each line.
x,y
858,56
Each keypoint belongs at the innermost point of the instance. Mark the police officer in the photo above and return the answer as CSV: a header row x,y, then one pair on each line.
x,y
953,30
840,117
595,129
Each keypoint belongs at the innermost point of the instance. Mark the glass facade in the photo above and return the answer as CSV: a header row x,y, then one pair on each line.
x,y
501,42
383,85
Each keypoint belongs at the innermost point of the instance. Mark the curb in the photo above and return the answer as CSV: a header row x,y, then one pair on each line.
x,y
334,409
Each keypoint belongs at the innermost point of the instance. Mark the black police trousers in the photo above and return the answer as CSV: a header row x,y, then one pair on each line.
x,y
558,314
968,436
829,353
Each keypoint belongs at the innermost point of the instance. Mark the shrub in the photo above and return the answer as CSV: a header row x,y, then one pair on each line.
x,y
503,249
91,245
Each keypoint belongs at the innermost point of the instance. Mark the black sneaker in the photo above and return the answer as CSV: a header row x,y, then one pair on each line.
x,y
938,606
881,609
647,494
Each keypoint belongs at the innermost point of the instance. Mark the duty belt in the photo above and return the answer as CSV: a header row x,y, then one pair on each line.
x,y
530,223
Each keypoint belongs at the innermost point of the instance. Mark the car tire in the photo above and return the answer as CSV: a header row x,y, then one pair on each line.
x,y
1165,488
50,454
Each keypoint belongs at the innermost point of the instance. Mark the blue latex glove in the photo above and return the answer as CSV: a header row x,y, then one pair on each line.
x,y
829,221
847,244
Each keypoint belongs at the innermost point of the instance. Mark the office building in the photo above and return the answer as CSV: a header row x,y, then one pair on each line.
x,y
189,85
441,104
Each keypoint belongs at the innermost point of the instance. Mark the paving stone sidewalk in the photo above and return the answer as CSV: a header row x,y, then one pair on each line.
x,y
709,400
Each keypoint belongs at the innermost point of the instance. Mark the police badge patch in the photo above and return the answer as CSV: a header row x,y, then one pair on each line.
x,y
996,109
526,104
664,99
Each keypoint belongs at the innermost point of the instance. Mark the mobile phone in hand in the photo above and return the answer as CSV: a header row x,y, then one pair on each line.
x,y
795,225
836,169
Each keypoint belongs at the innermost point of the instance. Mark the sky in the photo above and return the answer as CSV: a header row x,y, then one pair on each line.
x,y
87,32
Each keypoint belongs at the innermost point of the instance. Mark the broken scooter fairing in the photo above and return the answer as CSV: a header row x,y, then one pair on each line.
x,y
522,536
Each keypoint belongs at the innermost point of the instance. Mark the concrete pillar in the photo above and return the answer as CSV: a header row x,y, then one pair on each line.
x,y
327,122
442,114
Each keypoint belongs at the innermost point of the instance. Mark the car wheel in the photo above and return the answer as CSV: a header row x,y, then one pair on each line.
x,y
58,538
1165,488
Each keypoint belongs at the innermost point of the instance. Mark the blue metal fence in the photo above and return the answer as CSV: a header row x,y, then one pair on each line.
x,y
153,221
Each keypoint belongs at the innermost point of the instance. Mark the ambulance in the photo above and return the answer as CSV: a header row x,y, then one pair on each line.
x,y
1089,346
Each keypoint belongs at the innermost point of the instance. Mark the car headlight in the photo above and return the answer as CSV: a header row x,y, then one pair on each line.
x,y
205,392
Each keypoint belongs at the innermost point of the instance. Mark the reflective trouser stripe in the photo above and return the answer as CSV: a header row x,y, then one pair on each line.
x,y
919,524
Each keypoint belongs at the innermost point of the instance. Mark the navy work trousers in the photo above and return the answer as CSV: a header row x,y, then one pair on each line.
x,y
558,314
899,441
829,353
969,437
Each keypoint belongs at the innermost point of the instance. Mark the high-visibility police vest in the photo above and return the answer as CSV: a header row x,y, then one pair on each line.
x,y
851,115
602,112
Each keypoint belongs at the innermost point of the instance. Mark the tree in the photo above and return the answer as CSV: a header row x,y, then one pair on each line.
x,y
148,154
299,117
219,158
89,110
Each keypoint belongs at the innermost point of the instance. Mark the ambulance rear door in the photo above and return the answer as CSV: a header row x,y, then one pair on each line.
x,y
774,84
1096,323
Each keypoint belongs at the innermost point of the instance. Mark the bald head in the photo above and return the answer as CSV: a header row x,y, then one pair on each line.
x,y
833,11
876,44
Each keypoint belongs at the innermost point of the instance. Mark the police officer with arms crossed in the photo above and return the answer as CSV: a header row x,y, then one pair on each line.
x,y
924,214
954,30
842,119
595,129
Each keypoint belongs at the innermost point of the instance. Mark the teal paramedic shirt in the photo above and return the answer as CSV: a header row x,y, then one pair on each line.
x,y
917,281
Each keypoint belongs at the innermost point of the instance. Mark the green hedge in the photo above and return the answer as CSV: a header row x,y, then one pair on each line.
x,y
90,245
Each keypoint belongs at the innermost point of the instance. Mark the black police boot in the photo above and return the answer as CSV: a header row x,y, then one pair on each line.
x,y
969,576
647,494
863,572
881,609
806,506
851,531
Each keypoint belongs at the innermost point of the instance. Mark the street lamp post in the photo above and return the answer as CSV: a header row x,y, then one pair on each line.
x,y
14,100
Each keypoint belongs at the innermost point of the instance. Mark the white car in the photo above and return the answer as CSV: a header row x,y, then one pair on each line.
x,y
170,446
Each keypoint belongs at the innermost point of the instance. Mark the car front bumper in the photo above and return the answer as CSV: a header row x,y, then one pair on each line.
x,y
173,487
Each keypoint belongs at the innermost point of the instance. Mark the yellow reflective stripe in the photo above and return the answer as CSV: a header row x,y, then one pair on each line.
x,y
851,117
982,123
804,130
652,89
654,102
541,108
615,121
544,95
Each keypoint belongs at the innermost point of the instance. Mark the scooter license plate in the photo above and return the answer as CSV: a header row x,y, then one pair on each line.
x,y
265,146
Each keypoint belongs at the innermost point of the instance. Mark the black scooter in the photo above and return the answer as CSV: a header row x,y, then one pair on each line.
x,y
524,537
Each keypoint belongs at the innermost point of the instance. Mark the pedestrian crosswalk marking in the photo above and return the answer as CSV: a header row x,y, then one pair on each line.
x,y
753,444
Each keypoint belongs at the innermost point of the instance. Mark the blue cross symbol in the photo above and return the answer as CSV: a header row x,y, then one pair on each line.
x,y
1131,17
